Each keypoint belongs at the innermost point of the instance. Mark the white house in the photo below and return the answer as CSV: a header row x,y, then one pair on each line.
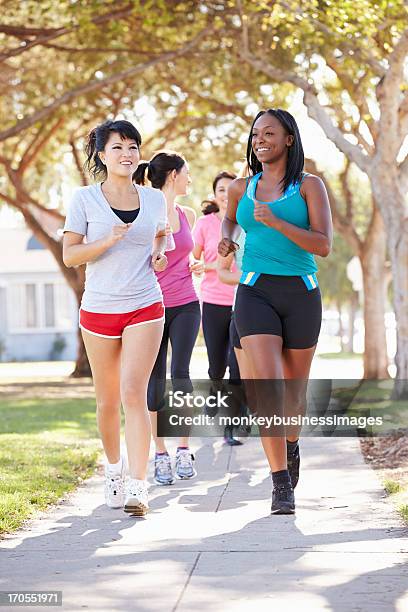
x,y
38,310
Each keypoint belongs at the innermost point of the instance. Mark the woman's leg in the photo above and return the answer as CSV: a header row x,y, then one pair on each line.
x,y
157,388
183,331
104,359
216,321
264,356
243,363
140,345
296,367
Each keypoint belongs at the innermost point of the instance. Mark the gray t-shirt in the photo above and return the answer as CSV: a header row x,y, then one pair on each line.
x,y
122,279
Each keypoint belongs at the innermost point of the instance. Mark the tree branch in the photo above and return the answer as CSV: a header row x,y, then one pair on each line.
x,y
348,196
28,156
315,110
44,35
22,195
78,164
389,98
96,85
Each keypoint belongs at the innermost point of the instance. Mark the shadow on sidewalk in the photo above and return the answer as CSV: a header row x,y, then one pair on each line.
x,y
211,555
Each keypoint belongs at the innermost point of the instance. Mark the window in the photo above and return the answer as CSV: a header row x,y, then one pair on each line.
x,y
49,305
40,306
30,306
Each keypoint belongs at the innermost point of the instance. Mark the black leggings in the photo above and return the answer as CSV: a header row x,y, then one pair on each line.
x,y
216,325
181,328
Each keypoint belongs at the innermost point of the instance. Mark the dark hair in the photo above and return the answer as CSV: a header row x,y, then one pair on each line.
x,y
296,158
99,136
158,168
211,206
208,207
222,175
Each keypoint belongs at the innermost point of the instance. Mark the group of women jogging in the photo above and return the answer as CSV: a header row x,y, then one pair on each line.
x,y
254,248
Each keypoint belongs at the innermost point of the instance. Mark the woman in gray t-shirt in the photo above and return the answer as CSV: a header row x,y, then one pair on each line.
x,y
118,230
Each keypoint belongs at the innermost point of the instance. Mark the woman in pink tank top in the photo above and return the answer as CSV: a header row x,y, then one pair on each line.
x,y
217,297
168,171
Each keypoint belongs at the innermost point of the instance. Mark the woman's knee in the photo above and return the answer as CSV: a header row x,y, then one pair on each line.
x,y
133,393
108,406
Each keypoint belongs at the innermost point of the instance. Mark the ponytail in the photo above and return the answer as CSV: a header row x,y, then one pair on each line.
x,y
139,174
93,162
208,207
158,168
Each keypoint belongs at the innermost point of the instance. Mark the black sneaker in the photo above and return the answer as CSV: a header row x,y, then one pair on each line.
x,y
293,459
283,499
229,438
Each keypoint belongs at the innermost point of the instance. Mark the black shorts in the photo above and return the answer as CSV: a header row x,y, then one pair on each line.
x,y
280,306
234,336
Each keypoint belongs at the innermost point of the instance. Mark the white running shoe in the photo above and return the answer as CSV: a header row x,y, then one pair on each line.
x,y
136,501
115,487
185,464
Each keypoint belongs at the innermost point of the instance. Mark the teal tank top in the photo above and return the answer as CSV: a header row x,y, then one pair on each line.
x,y
268,251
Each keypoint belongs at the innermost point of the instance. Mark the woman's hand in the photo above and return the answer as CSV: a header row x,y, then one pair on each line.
x,y
263,214
159,261
197,267
227,246
117,233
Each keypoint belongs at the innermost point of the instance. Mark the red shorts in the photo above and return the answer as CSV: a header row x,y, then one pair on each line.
x,y
108,325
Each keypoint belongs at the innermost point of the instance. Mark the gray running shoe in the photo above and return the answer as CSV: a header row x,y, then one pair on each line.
x,y
185,464
163,474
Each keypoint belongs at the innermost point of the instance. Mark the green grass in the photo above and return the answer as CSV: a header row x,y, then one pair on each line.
x,y
373,398
47,447
403,510
392,487
399,496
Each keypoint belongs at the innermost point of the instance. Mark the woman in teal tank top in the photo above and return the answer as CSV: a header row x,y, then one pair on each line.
x,y
286,217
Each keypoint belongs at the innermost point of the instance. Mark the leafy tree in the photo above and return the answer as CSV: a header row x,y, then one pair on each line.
x,y
349,60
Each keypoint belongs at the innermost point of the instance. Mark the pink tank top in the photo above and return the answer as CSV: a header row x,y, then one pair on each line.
x,y
176,281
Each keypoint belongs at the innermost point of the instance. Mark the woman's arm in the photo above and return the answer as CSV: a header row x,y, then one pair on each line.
x,y
230,228
197,254
224,271
317,240
76,253
159,259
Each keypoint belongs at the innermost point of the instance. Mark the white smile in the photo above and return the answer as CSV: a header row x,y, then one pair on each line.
x,y
126,163
262,149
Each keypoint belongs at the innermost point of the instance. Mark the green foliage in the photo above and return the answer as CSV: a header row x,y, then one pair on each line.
x,y
392,487
335,284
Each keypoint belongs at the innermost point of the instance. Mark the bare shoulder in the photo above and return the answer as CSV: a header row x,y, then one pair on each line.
x,y
190,214
237,187
311,181
312,185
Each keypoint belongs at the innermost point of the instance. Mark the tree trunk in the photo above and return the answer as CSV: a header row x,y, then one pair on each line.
x,y
82,367
373,261
341,328
391,200
351,321
399,261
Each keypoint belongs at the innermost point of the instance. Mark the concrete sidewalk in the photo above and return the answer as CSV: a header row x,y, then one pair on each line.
x,y
211,544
